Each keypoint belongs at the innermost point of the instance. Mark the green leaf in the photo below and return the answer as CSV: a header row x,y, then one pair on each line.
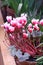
x,y
41,28
40,59
34,8
39,63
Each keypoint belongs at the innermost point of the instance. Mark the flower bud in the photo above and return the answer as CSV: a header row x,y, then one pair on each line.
x,y
36,27
30,30
30,25
25,35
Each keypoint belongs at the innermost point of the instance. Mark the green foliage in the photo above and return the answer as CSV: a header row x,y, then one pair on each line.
x,y
40,60
42,38
32,7
39,63
41,27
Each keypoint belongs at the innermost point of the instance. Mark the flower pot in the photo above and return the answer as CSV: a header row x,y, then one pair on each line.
x,y
6,11
24,62
10,12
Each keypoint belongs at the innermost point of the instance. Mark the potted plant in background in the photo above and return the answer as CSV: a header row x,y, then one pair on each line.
x,y
25,31
19,6
7,9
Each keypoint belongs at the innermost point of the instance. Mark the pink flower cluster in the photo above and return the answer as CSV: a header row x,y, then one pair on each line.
x,y
14,23
19,32
18,23
34,25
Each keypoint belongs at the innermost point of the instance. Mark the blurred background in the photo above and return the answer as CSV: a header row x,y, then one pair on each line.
x,y
34,8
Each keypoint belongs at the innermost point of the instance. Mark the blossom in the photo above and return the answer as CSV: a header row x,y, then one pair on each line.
x,y
19,25
20,22
30,30
41,22
23,20
13,22
11,29
30,25
6,25
9,18
35,21
25,35
36,27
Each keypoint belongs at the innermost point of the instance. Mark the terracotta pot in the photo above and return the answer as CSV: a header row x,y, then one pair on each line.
x,y
10,12
6,11
24,62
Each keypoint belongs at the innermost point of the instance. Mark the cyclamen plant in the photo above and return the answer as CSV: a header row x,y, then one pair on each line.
x,y
19,32
20,22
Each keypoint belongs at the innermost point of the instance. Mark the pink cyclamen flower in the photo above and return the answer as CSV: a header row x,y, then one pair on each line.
x,y
41,22
6,25
23,20
25,35
13,22
19,26
11,29
30,25
35,21
36,27
9,18
30,30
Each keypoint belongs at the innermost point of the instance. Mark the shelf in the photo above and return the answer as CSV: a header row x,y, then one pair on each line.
x,y
7,59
